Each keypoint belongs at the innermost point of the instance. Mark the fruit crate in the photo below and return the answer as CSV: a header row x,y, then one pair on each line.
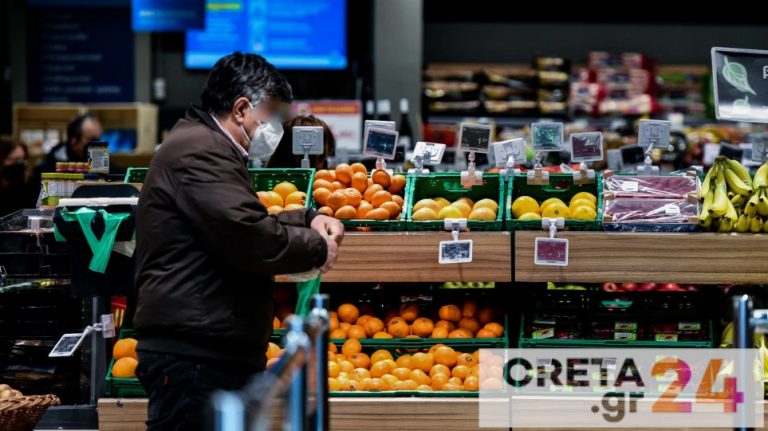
x,y
263,179
560,186
123,387
448,185
374,225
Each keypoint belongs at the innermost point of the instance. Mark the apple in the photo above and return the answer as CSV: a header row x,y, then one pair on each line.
x,y
670,287
629,287
646,287
610,287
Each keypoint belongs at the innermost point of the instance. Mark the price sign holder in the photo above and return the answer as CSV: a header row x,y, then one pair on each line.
x,y
652,134
585,147
426,154
69,343
507,154
473,138
307,140
455,251
382,144
545,137
759,147
551,251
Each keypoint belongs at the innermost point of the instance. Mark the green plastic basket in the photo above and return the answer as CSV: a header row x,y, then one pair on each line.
x,y
136,175
560,186
123,387
448,185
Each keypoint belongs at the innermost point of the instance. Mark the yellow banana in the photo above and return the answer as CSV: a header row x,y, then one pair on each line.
x,y
705,222
720,203
726,225
736,184
738,201
706,206
742,225
740,171
762,203
731,214
756,224
750,209
706,184
761,177
765,226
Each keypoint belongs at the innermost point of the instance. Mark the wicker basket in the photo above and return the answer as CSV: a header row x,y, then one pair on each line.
x,y
22,414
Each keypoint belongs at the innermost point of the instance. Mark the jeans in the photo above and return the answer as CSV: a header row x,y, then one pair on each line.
x,y
180,388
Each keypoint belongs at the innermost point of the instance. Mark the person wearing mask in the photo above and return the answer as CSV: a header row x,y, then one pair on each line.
x,y
16,192
80,131
206,249
284,157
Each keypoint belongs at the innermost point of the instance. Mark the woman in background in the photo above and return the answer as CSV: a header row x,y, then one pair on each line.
x,y
16,191
284,157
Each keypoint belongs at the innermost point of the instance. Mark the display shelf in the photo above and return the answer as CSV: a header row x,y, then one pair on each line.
x,y
412,257
700,258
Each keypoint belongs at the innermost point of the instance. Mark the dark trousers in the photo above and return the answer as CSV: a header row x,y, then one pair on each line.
x,y
180,388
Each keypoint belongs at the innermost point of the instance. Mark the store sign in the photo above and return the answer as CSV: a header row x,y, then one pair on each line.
x,y
635,388
344,117
740,82
167,15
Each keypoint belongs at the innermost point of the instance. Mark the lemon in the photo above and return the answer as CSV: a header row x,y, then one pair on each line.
x,y
450,212
583,212
585,195
424,213
284,189
530,216
469,201
580,202
556,210
486,203
549,202
427,203
443,202
524,204
463,206
482,213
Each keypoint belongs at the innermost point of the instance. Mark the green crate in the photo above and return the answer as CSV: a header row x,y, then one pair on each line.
x,y
123,387
263,179
560,186
448,185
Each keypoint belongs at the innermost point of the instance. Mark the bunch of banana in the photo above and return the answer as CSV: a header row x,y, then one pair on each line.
x,y
731,200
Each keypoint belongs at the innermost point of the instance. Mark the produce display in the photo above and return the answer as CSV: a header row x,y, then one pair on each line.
x,y
732,201
125,357
7,392
348,193
582,206
283,197
439,209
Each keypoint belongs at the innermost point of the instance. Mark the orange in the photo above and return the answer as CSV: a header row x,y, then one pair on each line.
x,y
398,328
284,189
336,200
422,327
321,196
485,333
360,360
451,387
344,326
380,368
347,212
374,385
332,348
323,174
406,385
391,314
372,190
275,324
351,385
298,198
351,346
485,315
496,328
334,384
274,210
450,326
381,177
344,173
125,368
325,210
439,332
346,366
465,359
272,350
404,361
422,361
438,381
360,181
412,335
467,200
380,355
272,362
450,313
322,184
382,334
476,355
377,214
420,377
370,182
397,184
360,373
435,347
391,362
469,308
363,209
125,348
359,168
462,206
445,356
424,388
459,333
373,325
469,324
348,313
456,381
333,369
381,197
409,311
491,384
398,200
393,208
338,333
402,373
471,383
439,369
333,321
270,199
363,319
354,197
356,331
293,207
337,185
474,370
389,382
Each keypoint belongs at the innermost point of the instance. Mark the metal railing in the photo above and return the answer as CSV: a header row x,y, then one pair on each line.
x,y
300,376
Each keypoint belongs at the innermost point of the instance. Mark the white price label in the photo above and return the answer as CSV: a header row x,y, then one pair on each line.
x,y
551,251
455,251
504,149
307,138
474,137
431,153
711,151
630,186
654,133
671,209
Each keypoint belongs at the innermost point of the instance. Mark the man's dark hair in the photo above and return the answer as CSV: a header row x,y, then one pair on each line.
x,y
75,127
243,75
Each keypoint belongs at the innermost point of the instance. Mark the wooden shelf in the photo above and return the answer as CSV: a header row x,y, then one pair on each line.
x,y
702,258
412,257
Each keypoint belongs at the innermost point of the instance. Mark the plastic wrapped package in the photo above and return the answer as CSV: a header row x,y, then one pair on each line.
x,y
650,215
651,187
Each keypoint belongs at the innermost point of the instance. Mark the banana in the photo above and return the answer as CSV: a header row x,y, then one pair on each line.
x,y
751,208
706,222
727,337
765,226
706,185
742,225
756,224
726,225
720,204
731,214
740,171
762,203
736,184
761,177
706,207
738,201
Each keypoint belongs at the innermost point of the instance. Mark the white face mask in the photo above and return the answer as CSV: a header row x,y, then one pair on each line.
x,y
265,138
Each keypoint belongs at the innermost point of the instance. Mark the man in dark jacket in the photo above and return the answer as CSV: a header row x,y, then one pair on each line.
x,y
206,249
81,130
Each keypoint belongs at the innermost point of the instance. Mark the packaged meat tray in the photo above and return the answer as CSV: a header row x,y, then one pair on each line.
x,y
650,215
650,187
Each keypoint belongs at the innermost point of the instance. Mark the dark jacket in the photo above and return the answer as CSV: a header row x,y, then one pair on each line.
x,y
206,250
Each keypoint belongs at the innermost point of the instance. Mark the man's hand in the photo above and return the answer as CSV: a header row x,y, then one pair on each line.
x,y
333,249
328,226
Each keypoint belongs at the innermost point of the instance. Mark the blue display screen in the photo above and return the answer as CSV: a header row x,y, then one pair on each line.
x,y
291,34
167,15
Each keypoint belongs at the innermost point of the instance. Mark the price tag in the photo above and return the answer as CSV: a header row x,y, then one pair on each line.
x,y
759,147
615,162
431,153
380,143
502,150
666,337
307,138
474,137
376,124
551,251
654,133
689,326
586,147
67,345
547,136
671,209
631,336
543,333
455,251
630,186
711,151
625,326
